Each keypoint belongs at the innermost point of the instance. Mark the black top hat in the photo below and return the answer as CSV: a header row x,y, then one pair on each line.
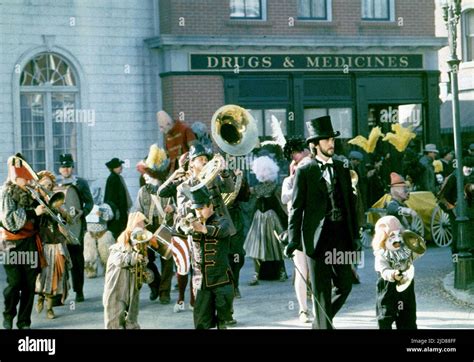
x,y
114,163
66,160
200,197
320,128
197,150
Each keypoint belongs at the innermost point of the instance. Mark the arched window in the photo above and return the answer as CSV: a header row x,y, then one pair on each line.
x,y
48,99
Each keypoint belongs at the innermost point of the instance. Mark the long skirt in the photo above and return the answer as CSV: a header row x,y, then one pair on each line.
x,y
53,279
261,242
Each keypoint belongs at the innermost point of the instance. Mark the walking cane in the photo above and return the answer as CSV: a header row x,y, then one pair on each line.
x,y
308,285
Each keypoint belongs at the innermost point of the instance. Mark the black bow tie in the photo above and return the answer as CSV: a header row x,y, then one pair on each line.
x,y
324,166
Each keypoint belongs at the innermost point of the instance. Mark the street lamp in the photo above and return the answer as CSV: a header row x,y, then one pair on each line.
x,y
464,260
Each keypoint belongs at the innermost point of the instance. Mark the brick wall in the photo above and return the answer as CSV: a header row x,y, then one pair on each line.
x,y
211,17
194,97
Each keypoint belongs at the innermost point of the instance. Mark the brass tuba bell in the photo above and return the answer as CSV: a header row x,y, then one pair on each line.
x,y
234,130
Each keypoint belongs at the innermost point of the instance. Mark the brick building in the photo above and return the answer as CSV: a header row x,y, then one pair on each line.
x,y
364,62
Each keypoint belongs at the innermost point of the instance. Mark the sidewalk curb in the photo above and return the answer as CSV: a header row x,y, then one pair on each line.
x,y
463,296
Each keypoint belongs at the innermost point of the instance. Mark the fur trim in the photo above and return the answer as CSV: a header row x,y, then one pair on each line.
x,y
265,169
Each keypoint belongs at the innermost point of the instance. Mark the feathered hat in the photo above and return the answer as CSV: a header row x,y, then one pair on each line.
x,y
401,138
156,161
368,145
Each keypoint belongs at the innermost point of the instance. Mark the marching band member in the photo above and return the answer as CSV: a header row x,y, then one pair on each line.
x,y
122,285
392,260
20,219
76,252
212,277
53,279
159,211
198,158
98,239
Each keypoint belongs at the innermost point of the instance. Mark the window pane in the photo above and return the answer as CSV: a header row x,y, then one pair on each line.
x,y
252,8
304,10
237,8
258,115
341,119
32,126
64,123
319,9
470,22
280,115
367,9
381,9
47,69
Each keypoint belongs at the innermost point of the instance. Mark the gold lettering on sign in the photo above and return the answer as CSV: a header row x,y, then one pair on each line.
x,y
379,61
226,62
253,62
312,63
392,61
339,62
266,62
404,61
359,62
212,62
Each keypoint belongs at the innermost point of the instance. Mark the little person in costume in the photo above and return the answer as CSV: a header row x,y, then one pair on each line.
x,y
395,250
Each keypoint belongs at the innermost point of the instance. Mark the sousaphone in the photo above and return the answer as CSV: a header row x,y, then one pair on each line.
x,y
234,130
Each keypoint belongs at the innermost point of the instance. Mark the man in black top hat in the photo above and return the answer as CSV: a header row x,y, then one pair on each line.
x,y
117,196
323,222
67,178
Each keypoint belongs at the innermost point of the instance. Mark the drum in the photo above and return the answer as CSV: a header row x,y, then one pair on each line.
x,y
163,237
73,207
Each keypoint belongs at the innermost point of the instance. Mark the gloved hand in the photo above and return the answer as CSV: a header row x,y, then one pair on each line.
x,y
290,249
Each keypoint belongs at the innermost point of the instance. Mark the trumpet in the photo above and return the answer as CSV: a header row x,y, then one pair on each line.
x,y
54,216
185,224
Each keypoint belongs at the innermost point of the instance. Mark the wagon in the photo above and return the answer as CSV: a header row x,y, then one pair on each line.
x,y
431,221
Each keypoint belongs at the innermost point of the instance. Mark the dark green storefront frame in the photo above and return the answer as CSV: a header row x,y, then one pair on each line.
x,y
299,90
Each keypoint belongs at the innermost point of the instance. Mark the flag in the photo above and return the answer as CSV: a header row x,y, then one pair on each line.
x,y
181,254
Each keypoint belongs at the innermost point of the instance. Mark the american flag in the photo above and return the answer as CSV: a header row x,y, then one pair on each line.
x,y
181,254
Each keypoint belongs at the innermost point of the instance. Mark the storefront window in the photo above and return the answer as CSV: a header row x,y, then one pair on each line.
x,y
264,121
341,119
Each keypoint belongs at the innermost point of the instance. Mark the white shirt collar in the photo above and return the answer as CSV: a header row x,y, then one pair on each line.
x,y
330,161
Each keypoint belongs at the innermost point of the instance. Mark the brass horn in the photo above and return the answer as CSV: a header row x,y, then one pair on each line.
x,y
234,130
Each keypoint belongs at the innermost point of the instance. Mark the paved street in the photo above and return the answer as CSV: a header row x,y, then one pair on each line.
x,y
272,304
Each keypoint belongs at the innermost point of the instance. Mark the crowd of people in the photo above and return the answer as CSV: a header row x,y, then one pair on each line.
x,y
195,227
